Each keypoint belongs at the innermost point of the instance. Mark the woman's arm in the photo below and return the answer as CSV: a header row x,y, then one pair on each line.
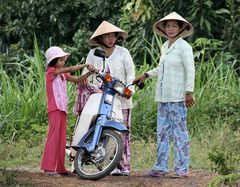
x,y
188,62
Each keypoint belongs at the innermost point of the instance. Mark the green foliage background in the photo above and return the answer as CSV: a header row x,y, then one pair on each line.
x,y
65,22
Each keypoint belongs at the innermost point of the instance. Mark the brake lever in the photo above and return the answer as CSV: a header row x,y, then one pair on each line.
x,y
139,84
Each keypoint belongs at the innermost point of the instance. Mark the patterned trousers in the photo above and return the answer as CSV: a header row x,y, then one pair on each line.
x,y
172,125
125,162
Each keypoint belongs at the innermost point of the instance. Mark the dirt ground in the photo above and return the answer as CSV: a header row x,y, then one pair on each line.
x,y
196,178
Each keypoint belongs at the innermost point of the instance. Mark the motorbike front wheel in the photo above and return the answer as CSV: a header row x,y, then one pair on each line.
x,y
103,159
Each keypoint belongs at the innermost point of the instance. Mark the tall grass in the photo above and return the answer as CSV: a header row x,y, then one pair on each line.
x,y
217,97
22,97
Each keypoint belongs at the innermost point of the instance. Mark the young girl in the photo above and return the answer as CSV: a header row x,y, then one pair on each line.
x,y
174,93
119,64
57,101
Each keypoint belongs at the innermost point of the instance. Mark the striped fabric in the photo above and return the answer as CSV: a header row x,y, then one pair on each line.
x,y
83,92
124,164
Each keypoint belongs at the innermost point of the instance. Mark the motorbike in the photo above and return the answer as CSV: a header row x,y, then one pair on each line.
x,y
97,146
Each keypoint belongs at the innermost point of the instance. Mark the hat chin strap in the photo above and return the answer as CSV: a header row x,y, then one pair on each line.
x,y
187,27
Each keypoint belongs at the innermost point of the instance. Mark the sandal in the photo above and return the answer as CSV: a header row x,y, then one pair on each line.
x,y
180,175
125,172
67,173
52,174
116,172
155,173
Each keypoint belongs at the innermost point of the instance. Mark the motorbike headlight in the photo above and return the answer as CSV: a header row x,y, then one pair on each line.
x,y
119,87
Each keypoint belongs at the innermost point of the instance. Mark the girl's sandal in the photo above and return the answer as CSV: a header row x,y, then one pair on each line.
x,y
52,174
67,173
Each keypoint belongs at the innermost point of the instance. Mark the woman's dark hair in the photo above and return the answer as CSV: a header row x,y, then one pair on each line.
x,y
180,23
119,38
53,62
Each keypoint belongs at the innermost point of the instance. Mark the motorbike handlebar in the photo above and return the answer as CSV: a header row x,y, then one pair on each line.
x,y
139,84
101,54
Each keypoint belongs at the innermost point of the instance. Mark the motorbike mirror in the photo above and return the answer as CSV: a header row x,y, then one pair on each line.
x,y
99,53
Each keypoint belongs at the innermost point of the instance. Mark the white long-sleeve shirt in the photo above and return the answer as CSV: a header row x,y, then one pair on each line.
x,y
175,72
121,66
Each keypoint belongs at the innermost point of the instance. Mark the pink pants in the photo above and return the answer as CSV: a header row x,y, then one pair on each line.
x,y
54,151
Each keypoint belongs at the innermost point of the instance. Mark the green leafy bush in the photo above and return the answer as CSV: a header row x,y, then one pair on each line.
x,y
230,180
225,154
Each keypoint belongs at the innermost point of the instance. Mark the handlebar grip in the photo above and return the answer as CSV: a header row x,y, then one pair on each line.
x,y
140,85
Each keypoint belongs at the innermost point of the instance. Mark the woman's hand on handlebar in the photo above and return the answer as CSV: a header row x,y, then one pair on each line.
x,y
140,79
91,68
128,96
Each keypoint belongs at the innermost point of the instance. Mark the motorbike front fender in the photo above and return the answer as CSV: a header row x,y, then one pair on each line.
x,y
116,126
109,124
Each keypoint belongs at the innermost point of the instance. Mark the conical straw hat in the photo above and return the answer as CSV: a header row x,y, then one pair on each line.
x,y
187,28
104,28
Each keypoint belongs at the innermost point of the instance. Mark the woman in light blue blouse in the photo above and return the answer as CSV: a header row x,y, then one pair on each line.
x,y
174,89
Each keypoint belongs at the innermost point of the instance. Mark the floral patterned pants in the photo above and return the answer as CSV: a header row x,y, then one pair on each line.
x,y
172,125
125,162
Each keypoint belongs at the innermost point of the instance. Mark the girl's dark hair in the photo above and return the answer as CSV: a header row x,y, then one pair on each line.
x,y
180,23
53,62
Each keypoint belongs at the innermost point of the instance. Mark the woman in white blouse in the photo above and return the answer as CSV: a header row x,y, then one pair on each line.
x,y
119,64
174,89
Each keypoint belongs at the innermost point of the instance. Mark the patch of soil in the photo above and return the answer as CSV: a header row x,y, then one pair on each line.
x,y
196,178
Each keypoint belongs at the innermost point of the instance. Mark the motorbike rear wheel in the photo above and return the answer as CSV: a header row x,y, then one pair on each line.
x,y
103,159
